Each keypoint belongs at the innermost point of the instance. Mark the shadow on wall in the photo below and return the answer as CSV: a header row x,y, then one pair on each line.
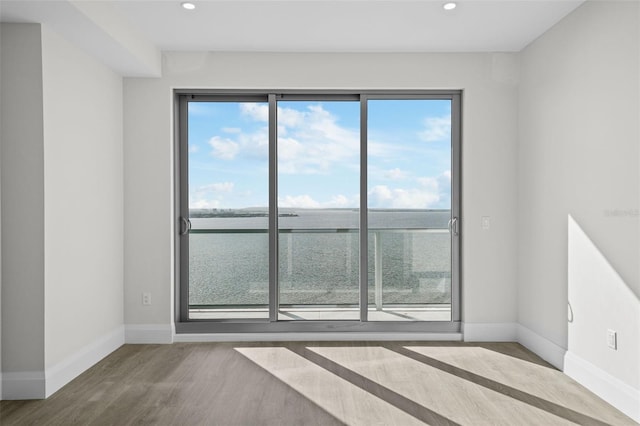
x,y
601,303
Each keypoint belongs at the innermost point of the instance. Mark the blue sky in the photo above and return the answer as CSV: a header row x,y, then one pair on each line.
x,y
409,157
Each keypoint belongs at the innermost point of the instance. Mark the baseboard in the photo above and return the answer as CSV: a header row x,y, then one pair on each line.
x,y
615,392
23,385
297,337
148,333
490,332
62,373
542,347
619,394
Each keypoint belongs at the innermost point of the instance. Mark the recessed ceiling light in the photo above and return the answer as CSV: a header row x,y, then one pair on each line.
x,y
449,6
188,5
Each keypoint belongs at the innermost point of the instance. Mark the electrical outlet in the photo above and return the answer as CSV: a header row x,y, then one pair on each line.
x,y
146,298
486,222
612,339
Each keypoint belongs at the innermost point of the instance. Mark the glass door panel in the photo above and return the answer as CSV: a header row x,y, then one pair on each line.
x,y
409,209
318,210
228,210
271,233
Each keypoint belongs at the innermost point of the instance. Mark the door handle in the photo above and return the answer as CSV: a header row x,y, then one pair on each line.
x,y
185,226
453,226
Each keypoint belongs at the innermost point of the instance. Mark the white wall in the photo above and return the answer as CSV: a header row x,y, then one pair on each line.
x,y
489,158
83,198
579,186
22,202
62,211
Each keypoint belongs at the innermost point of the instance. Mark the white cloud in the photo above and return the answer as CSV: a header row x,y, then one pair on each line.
x,y
217,187
382,196
298,201
430,192
232,130
193,148
340,201
257,112
204,204
444,185
210,196
288,117
310,141
254,144
429,183
395,174
225,149
315,141
379,149
288,150
437,129
307,202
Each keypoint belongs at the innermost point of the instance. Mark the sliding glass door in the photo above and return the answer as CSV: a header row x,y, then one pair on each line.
x,y
311,211
318,209
228,209
409,200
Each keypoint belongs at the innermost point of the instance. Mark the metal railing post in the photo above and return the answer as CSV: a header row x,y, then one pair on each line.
x,y
377,255
290,255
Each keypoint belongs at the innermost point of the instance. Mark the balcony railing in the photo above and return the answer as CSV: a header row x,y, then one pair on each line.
x,y
320,267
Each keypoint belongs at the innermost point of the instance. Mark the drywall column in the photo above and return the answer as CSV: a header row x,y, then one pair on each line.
x,y
62,211
22,212
83,213
579,193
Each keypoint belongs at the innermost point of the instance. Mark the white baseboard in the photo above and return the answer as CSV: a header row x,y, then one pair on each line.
x,y
23,385
490,332
296,337
38,385
148,333
42,384
542,347
62,373
615,392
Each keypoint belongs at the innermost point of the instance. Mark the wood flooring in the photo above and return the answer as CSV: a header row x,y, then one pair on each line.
x,y
310,383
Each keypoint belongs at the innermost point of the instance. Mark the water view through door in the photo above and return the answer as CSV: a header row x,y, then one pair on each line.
x,y
366,213
318,209
409,200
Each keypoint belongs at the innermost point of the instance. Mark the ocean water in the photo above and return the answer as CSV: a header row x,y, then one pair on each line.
x,y
319,258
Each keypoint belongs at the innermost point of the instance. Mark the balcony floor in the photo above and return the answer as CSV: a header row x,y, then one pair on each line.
x,y
439,312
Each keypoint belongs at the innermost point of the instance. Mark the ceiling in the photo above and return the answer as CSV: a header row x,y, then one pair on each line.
x,y
290,25
345,25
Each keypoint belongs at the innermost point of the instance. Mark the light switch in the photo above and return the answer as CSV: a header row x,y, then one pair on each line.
x,y
612,339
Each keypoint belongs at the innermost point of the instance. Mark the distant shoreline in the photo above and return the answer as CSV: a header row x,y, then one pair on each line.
x,y
286,212
206,215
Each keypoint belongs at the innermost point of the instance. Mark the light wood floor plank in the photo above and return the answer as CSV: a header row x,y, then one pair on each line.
x,y
318,383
